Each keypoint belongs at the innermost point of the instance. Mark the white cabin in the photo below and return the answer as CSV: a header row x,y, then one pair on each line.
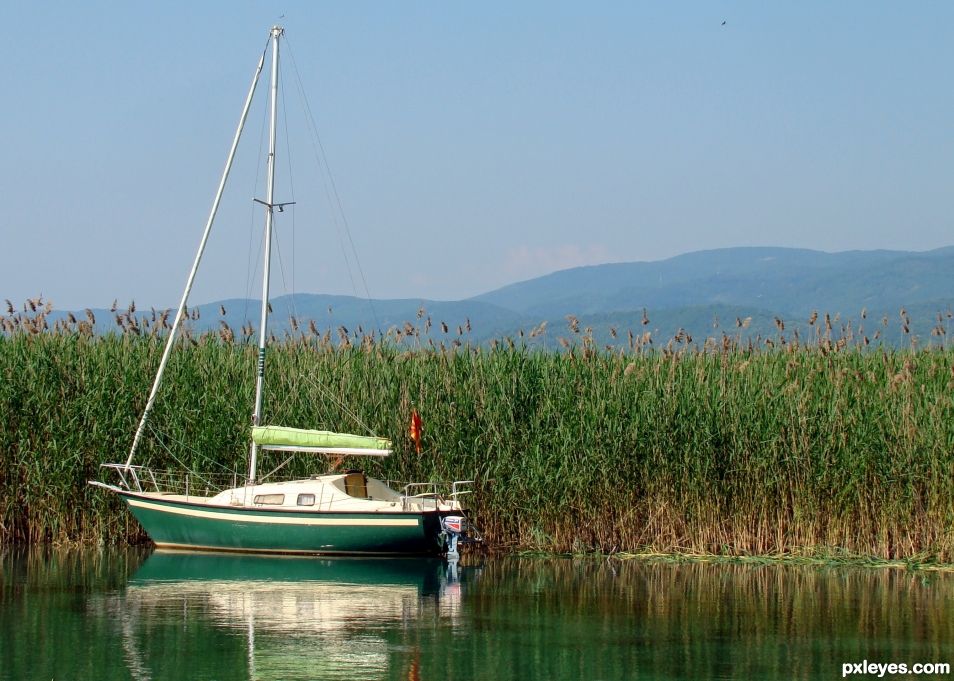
x,y
352,491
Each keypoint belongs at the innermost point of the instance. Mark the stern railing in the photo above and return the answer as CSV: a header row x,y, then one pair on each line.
x,y
434,495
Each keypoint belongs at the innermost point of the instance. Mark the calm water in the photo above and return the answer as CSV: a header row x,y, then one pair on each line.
x,y
131,615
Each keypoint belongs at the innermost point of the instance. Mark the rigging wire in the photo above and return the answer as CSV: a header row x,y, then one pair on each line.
x,y
183,445
291,184
334,398
292,306
316,138
251,270
345,256
317,147
202,244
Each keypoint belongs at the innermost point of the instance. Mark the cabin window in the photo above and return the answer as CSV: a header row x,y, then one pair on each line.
x,y
306,499
270,499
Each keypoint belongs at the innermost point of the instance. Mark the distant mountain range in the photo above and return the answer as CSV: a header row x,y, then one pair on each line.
x,y
708,292
737,291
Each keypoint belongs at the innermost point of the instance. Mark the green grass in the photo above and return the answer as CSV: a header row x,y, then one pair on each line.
x,y
794,450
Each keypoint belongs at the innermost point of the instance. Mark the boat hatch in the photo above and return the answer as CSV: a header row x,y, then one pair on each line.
x,y
356,484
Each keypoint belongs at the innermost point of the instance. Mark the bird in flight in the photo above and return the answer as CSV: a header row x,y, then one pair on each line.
x,y
723,22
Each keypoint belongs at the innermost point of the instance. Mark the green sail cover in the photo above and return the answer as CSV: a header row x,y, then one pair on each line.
x,y
281,436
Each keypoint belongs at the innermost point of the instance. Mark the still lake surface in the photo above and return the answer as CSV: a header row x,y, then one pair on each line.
x,y
141,615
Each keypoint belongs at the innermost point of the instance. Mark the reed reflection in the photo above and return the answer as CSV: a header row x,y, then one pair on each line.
x,y
614,619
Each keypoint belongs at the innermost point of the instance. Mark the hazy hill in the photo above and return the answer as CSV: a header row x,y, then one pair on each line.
x,y
735,291
789,282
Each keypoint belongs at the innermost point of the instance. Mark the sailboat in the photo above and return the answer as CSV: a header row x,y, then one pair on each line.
x,y
345,513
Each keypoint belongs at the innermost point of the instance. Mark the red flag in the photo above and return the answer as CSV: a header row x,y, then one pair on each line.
x,y
415,430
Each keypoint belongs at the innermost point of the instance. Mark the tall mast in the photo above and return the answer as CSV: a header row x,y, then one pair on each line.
x,y
269,202
180,312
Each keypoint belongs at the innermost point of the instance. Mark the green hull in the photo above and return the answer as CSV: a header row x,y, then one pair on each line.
x,y
187,525
189,566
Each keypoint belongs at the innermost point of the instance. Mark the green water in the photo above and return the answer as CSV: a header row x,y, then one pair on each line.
x,y
131,615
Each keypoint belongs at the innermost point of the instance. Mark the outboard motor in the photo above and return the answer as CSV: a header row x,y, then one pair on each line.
x,y
454,527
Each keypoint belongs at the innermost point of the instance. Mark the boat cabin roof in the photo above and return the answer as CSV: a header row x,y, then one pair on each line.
x,y
333,491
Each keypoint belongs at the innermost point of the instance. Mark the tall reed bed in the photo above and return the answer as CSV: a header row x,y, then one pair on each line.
x,y
802,449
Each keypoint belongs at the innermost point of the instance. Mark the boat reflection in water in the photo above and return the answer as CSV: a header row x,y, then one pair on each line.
x,y
295,617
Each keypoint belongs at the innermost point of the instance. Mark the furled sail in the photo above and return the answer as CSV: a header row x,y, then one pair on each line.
x,y
299,439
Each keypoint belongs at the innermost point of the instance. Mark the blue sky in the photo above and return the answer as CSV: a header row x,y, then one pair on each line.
x,y
472,145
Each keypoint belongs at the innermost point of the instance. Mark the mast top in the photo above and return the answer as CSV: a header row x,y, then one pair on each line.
x,y
277,31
